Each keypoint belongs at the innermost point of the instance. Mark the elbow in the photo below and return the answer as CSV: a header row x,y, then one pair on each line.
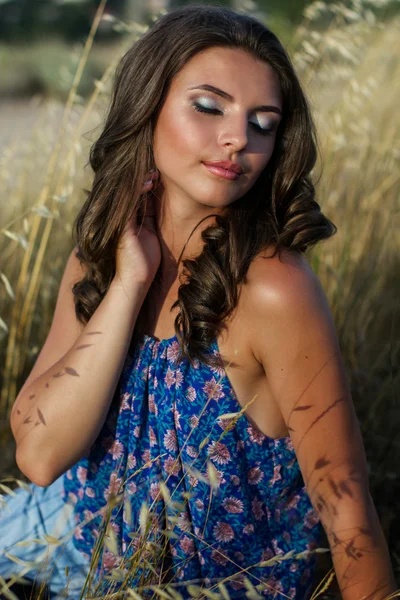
x,y
34,470
13,425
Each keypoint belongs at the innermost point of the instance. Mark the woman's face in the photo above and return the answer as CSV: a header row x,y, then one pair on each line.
x,y
241,128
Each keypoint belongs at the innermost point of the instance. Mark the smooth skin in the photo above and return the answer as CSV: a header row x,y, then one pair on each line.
x,y
290,331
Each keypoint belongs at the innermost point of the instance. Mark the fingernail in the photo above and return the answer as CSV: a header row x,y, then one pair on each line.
x,y
148,181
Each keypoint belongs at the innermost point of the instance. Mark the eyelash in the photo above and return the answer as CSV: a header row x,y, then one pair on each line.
x,y
214,111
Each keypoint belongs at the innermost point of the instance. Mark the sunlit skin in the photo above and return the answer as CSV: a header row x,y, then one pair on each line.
x,y
188,190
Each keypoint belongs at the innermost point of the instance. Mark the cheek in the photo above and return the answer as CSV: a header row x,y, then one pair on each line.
x,y
180,137
259,161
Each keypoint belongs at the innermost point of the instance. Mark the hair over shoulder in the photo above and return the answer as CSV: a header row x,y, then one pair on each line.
x,y
280,210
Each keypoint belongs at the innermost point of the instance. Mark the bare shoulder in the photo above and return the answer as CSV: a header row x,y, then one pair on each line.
x,y
74,264
278,278
285,297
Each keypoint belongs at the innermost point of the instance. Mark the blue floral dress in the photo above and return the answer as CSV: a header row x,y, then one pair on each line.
x,y
176,457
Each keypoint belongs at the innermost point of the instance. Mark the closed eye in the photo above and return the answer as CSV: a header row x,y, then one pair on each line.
x,y
214,111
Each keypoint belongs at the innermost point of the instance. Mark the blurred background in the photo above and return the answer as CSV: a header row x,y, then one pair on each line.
x,y
57,58
40,40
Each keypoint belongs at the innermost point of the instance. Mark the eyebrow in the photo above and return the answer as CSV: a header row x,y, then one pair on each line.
x,y
212,88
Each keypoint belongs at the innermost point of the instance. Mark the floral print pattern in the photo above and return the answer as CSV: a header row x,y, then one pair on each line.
x,y
232,496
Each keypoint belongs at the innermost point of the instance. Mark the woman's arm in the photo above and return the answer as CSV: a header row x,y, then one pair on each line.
x,y
295,341
57,417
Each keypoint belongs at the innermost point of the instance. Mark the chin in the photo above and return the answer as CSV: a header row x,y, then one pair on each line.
x,y
216,199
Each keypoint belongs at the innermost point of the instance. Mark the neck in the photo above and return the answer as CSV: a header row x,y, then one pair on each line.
x,y
179,225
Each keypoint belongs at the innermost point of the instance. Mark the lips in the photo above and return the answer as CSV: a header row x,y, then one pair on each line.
x,y
226,164
222,172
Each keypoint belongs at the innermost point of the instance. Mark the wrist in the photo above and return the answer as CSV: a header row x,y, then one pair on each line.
x,y
133,289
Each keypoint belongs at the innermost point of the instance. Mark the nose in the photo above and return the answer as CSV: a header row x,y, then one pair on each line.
x,y
234,133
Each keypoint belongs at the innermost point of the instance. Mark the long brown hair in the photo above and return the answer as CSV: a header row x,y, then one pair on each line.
x,y
280,210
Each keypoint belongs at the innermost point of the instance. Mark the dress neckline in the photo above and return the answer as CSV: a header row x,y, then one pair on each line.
x,y
169,341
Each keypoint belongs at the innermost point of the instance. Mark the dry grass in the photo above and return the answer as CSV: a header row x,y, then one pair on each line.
x,y
349,66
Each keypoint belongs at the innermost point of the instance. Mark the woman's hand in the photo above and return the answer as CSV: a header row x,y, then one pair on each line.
x,y
138,253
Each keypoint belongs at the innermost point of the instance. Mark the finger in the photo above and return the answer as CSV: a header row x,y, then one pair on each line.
x,y
151,176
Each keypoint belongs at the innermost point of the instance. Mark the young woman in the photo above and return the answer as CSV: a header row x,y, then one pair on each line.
x,y
183,302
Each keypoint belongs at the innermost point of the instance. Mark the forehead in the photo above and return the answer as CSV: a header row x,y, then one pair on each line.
x,y
232,69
